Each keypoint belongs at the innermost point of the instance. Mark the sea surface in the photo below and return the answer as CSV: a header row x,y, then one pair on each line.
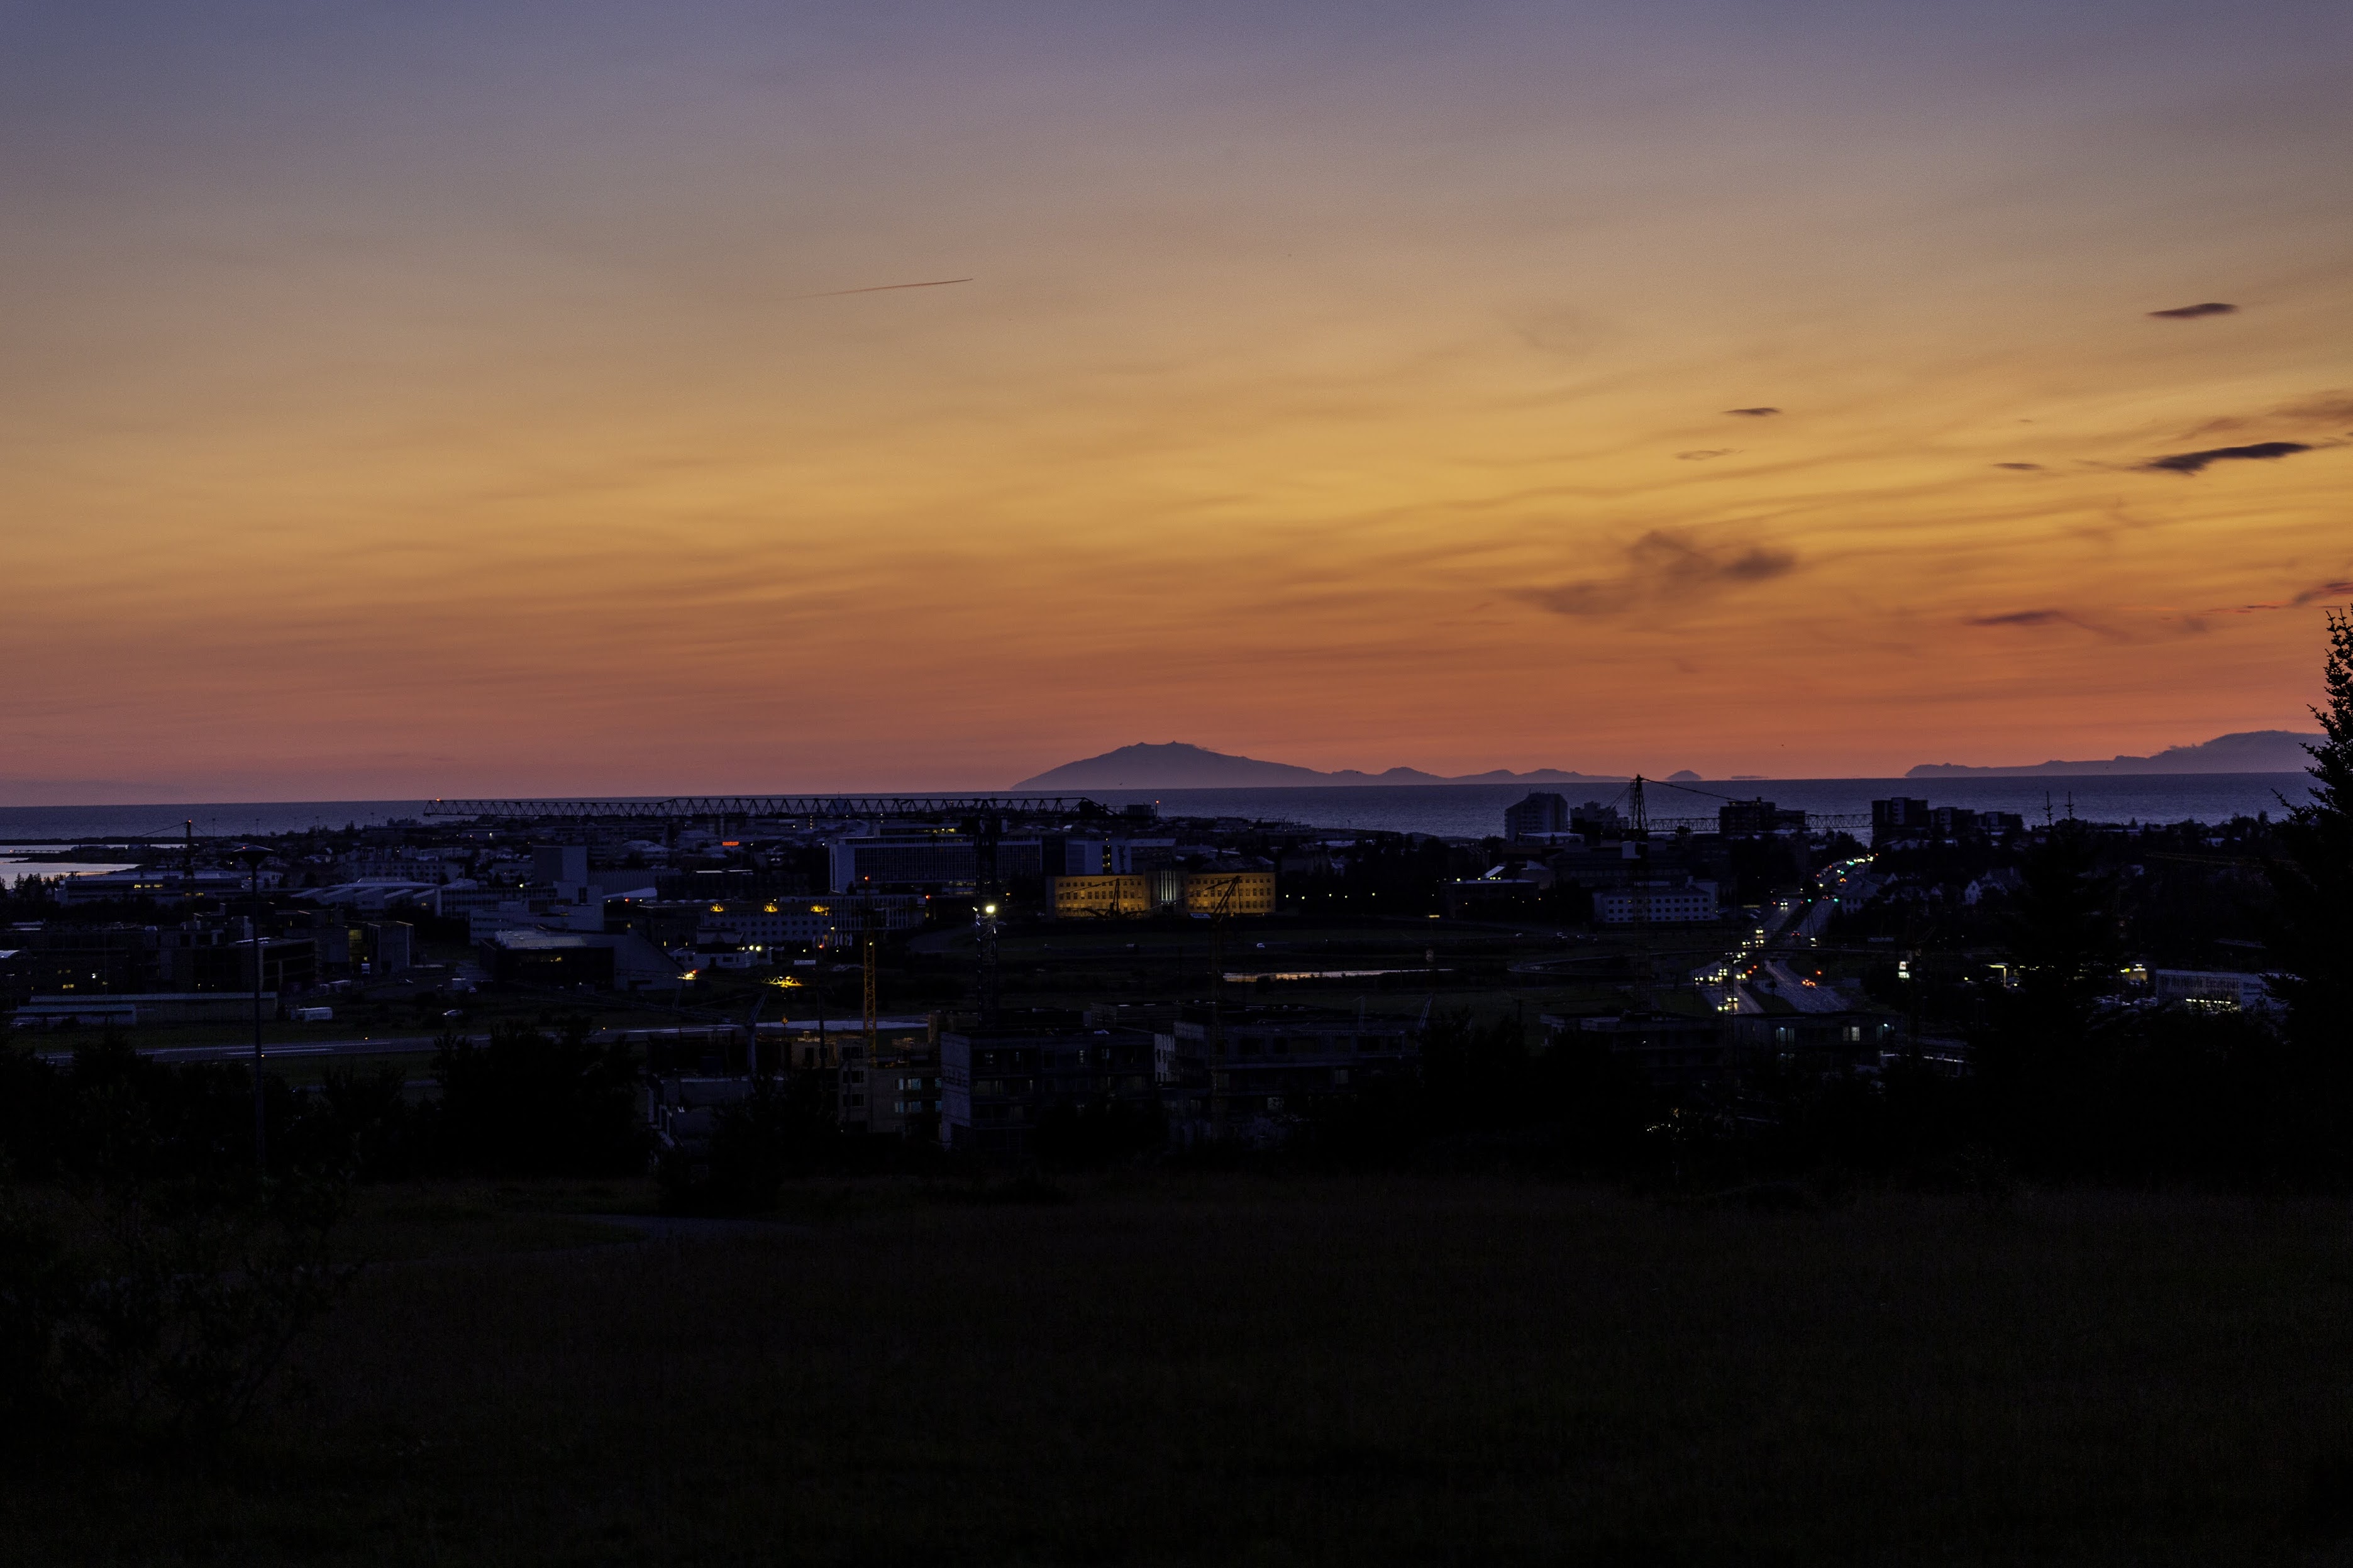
x,y
1463,811
14,868
1476,810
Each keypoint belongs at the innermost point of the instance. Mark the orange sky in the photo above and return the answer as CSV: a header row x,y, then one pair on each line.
x,y
432,403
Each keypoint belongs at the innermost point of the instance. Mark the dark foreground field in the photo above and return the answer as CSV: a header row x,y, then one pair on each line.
x,y
1230,1370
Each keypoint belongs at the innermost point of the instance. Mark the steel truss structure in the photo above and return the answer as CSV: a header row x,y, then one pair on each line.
x,y
841,806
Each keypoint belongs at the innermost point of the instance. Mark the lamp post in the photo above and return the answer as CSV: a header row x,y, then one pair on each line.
x,y
253,856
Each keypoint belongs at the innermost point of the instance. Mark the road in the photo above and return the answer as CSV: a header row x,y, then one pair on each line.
x,y
419,1044
391,1045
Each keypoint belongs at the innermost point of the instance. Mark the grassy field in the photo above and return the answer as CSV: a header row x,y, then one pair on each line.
x,y
1228,1368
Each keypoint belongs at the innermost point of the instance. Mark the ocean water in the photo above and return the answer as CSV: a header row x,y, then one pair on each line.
x,y
100,824
13,869
1477,810
1465,811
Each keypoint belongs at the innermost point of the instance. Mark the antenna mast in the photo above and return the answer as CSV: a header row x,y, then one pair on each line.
x,y
869,932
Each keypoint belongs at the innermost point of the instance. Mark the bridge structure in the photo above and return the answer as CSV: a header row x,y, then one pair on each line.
x,y
1847,821
831,807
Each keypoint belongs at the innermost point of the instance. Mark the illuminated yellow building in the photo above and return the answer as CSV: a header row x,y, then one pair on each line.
x,y
1132,896
1100,898
1252,893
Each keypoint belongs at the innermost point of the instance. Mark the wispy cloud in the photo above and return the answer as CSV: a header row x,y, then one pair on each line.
x,y
2045,617
2333,408
2196,462
2021,467
2313,595
2025,618
1758,413
1662,565
2324,409
1705,453
2191,312
881,289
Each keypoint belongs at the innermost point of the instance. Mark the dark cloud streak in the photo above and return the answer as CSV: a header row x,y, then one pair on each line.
x,y
2045,618
2195,462
882,289
1758,412
2191,312
1663,567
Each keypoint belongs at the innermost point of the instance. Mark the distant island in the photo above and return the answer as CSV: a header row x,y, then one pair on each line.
x,y
1177,765
2248,751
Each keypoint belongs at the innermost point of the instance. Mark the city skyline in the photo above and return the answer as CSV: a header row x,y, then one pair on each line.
x,y
581,400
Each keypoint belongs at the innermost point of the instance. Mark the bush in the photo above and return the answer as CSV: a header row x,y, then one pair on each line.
x,y
167,1310
786,1128
529,1103
1090,1135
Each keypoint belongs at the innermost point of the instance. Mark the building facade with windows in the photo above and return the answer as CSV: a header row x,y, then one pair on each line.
x,y
1657,903
997,1080
1235,1064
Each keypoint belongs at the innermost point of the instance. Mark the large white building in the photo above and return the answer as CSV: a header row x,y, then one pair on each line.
x,y
1656,903
2220,988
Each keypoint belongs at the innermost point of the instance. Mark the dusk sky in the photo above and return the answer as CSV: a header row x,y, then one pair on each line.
x,y
435,399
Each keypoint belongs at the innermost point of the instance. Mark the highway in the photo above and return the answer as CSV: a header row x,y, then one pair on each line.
x,y
418,1044
391,1045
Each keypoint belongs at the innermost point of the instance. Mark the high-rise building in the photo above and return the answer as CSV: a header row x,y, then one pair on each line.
x,y
1541,813
1755,819
1900,818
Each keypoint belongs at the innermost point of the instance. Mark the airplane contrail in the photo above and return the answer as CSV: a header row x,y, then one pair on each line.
x,y
882,287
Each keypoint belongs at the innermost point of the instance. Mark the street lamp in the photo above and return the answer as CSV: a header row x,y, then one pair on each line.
x,y
253,856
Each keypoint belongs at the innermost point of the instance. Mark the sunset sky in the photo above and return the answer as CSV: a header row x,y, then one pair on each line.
x,y
461,398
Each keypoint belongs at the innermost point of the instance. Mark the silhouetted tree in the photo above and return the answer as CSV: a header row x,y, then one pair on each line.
x,y
1089,1135
528,1103
1475,1076
2311,931
784,1128
2041,1062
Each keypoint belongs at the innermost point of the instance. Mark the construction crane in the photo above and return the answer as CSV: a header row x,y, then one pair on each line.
x,y
1221,910
1638,816
871,940
984,830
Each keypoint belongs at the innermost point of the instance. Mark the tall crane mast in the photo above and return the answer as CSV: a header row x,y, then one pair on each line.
x,y
872,937
1220,912
985,830
1639,889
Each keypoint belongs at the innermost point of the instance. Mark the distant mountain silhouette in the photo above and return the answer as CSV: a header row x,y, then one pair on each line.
x,y
1177,765
2247,751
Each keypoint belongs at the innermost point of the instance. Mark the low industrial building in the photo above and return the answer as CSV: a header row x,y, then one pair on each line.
x,y
577,961
138,1011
